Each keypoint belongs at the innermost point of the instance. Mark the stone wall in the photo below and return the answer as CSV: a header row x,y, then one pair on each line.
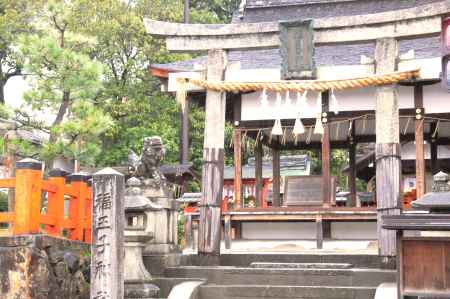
x,y
42,267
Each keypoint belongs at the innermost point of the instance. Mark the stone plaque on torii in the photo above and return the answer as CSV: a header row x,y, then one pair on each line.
x,y
384,28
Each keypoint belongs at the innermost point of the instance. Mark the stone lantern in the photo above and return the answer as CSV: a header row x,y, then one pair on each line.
x,y
423,243
137,278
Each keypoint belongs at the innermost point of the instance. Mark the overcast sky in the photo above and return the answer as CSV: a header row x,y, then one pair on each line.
x,y
14,90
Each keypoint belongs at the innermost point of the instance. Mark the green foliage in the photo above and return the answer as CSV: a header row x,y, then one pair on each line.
x,y
15,19
180,228
88,64
3,201
64,81
216,11
339,158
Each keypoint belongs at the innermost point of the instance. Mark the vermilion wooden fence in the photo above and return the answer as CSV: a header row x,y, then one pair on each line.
x,y
30,215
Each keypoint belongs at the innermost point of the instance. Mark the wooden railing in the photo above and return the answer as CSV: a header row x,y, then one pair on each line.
x,y
32,216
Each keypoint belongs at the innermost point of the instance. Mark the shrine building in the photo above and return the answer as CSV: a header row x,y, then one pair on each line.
x,y
316,75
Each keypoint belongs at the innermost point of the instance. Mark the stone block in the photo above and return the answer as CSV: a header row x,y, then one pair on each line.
x,y
34,267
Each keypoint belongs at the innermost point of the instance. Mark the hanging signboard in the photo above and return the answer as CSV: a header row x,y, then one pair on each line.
x,y
297,50
303,190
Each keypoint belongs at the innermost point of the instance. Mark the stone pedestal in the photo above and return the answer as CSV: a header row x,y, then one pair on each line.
x,y
134,266
162,222
138,281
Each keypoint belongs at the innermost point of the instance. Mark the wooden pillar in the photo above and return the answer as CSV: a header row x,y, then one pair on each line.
x,y
28,197
77,206
434,150
420,153
258,173
388,166
319,232
227,231
213,158
56,201
184,134
326,153
237,169
189,234
276,177
352,168
186,11
237,151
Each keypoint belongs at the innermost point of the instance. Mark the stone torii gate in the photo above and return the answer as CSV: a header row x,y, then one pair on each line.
x,y
385,29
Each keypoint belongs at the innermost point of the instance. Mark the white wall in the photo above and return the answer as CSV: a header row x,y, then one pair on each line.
x,y
354,230
279,230
307,230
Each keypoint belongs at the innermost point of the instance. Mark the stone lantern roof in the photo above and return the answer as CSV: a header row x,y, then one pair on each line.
x,y
135,201
437,201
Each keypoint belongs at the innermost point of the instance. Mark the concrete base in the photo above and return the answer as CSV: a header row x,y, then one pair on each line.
x,y
157,263
276,276
161,249
283,292
245,259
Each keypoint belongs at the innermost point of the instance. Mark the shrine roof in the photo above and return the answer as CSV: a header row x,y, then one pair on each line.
x,y
271,10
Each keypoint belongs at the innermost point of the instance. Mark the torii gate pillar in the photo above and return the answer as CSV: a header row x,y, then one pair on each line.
x,y
388,156
213,160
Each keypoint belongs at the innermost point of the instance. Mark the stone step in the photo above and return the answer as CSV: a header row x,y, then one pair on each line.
x,y
273,276
166,284
302,265
245,259
211,291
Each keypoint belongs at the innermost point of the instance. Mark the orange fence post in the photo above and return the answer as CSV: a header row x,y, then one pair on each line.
x,y
28,197
88,222
77,206
56,201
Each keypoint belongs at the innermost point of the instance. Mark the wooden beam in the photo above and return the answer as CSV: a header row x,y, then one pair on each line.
x,y
434,149
388,166
326,154
420,152
352,168
258,173
276,201
237,168
213,161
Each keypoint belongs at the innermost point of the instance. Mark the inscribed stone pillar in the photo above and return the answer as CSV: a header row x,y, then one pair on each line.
x,y
213,155
107,266
388,166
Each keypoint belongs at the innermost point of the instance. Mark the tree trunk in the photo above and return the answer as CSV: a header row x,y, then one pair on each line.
x,y
2,91
65,104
